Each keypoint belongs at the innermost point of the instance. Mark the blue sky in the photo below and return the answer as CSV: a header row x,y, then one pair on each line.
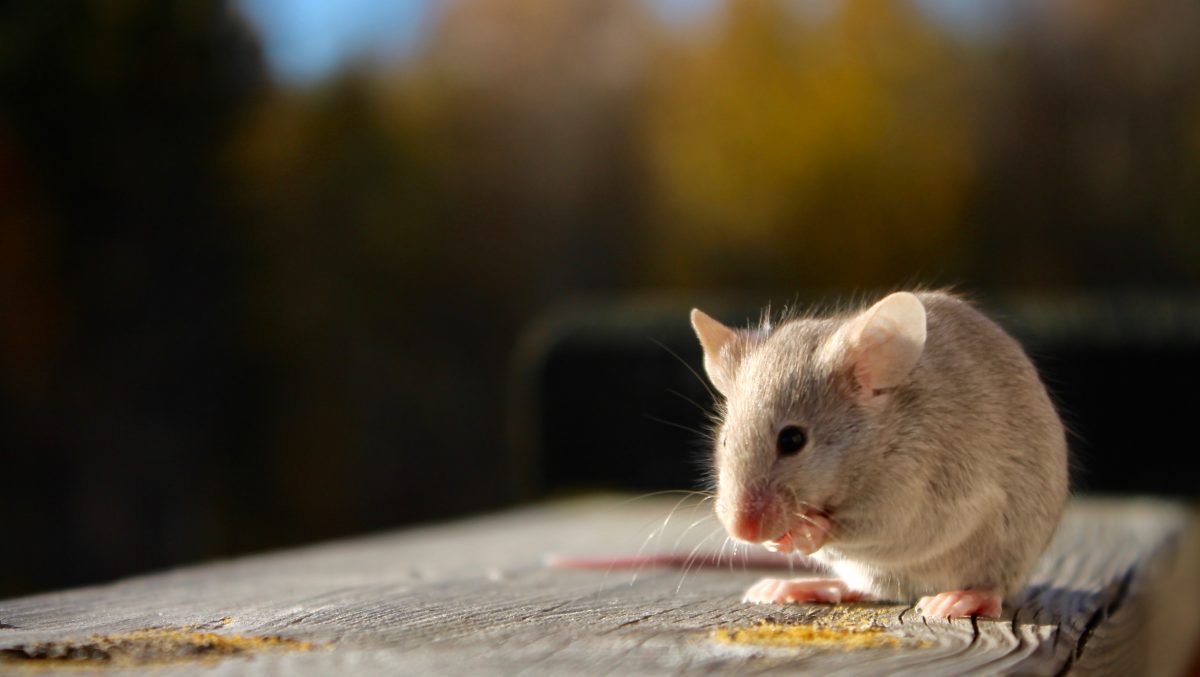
x,y
306,40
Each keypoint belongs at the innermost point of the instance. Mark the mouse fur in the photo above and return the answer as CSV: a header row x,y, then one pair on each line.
x,y
933,448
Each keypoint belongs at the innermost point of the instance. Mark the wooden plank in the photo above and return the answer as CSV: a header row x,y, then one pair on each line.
x,y
1117,592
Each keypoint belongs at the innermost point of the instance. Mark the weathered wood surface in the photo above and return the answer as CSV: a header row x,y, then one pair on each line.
x,y
1118,592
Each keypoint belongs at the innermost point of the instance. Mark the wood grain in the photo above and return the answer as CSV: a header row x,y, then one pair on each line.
x,y
1118,592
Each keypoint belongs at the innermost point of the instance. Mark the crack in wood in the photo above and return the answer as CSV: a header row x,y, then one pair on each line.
x,y
974,632
1101,614
549,610
1015,629
635,621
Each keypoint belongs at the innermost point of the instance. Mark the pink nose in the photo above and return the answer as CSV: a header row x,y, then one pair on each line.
x,y
746,525
750,519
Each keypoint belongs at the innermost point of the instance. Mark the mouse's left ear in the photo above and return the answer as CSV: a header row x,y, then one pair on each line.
x,y
885,342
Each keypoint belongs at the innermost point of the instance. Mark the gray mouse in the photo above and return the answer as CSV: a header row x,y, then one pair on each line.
x,y
910,447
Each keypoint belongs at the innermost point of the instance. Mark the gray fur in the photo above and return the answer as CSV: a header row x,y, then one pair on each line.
x,y
954,479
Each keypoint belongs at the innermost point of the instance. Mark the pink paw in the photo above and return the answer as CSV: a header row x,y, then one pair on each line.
x,y
805,537
961,604
797,590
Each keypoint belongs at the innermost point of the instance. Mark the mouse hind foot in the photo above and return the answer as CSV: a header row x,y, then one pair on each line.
x,y
961,604
799,590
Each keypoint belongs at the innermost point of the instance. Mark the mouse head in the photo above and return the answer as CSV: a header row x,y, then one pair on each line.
x,y
803,409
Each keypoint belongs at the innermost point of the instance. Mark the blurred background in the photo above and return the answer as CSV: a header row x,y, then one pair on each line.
x,y
275,271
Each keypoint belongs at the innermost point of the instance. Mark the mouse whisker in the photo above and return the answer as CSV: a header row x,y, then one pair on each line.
x,y
703,409
691,559
687,493
689,528
721,553
707,434
687,366
661,529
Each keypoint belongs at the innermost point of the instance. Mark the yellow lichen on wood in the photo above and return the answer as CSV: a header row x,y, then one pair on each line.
x,y
803,635
147,646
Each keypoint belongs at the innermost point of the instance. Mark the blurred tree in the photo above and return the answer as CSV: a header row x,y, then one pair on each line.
x,y
355,308
534,106
795,148
1090,149
110,116
407,223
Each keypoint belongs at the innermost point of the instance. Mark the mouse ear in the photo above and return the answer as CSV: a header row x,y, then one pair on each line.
x,y
722,350
886,341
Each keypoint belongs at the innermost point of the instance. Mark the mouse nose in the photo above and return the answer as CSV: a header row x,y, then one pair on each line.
x,y
746,525
753,518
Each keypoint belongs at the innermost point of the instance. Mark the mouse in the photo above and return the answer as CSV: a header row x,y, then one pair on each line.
x,y
909,447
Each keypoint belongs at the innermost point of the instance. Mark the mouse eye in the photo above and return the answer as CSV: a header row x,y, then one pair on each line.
x,y
791,440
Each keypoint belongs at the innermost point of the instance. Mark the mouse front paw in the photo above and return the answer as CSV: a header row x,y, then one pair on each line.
x,y
961,604
798,590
